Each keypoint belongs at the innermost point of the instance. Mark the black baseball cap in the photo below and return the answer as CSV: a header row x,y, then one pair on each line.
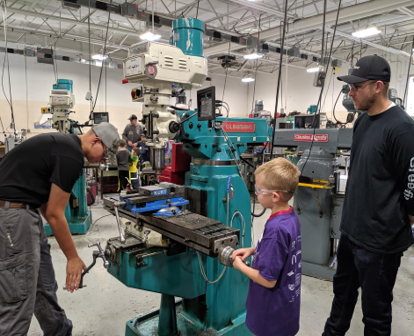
x,y
372,67
132,117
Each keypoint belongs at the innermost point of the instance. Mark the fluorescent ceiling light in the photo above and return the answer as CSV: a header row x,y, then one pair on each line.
x,y
99,57
253,56
366,32
247,79
148,36
311,70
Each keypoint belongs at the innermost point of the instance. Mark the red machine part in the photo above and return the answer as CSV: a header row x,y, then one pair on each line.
x,y
180,164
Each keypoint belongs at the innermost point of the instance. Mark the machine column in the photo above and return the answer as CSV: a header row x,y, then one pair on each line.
x,y
167,323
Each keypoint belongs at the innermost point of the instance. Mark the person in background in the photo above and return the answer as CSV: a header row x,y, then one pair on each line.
x,y
133,170
132,132
378,206
122,159
27,278
144,151
273,301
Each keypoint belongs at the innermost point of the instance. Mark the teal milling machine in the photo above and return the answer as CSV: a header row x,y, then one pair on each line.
x,y
163,247
61,100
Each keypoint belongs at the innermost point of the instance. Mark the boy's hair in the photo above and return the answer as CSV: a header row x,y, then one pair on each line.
x,y
136,150
122,143
280,174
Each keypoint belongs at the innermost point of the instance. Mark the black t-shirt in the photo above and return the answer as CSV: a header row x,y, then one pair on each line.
x,y
379,192
28,171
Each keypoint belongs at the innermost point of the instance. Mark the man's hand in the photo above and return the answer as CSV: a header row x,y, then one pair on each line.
x,y
243,253
411,218
54,213
238,263
135,144
130,143
74,269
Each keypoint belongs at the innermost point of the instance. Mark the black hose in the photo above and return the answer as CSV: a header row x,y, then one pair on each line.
x,y
260,214
89,190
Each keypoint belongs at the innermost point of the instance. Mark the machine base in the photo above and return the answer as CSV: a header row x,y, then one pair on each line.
x,y
147,325
318,271
78,227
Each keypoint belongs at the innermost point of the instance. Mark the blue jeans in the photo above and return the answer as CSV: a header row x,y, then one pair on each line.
x,y
375,273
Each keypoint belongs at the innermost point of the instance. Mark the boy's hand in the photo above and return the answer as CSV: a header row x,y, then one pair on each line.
x,y
238,263
243,253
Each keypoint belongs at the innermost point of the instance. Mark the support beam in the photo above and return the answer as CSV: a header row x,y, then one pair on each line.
x,y
347,14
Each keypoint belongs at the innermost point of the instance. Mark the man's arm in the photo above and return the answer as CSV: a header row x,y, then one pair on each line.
x,y
253,274
125,133
54,213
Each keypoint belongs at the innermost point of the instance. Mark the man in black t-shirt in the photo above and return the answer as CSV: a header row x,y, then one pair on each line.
x,y
27,279
379,203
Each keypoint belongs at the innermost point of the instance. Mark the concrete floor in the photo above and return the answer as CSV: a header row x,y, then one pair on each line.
x,y
105,305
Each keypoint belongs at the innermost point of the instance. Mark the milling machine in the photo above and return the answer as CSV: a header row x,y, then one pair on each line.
x,y
61,100
177,238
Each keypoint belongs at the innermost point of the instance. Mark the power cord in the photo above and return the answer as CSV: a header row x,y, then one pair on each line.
x,y
103,62
203,273
6,59
323,84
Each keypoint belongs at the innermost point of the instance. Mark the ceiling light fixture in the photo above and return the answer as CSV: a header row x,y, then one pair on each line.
x,y
247,79
99,57
253,56
312,70
148,36
366,32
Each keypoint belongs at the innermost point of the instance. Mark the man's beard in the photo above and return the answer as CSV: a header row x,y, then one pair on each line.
x,y
365,104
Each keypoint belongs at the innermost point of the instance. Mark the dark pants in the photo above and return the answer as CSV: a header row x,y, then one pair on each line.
x,y
375,273
27,277
135,180
123,179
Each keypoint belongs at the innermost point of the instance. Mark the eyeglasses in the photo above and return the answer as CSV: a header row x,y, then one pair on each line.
x,y
259,191
357,87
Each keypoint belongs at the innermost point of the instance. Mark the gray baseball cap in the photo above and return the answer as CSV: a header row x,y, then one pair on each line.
x,y
109,135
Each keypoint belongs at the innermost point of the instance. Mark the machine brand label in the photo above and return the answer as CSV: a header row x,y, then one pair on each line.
x,y
159,192
309,137
231,126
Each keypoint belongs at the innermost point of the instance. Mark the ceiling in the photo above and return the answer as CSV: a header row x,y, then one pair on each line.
x,y
46,23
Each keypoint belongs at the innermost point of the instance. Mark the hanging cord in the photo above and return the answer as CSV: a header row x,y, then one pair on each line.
x,y
90,57
323,84
55,69
279,75
257,61
198,5
6,59
408,73
203,273
103,63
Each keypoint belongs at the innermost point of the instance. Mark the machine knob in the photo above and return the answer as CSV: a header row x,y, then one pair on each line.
x,y
225,257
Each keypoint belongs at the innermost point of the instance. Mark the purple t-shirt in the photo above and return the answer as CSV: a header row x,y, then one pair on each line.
x,y
278,256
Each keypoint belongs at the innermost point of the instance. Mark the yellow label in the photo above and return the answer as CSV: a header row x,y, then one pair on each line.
x,y
43,109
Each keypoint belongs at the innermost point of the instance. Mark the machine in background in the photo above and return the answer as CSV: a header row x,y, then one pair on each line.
x,y
174,251
61,100
319,197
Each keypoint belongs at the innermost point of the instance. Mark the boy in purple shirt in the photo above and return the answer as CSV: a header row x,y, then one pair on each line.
x,y
273,301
